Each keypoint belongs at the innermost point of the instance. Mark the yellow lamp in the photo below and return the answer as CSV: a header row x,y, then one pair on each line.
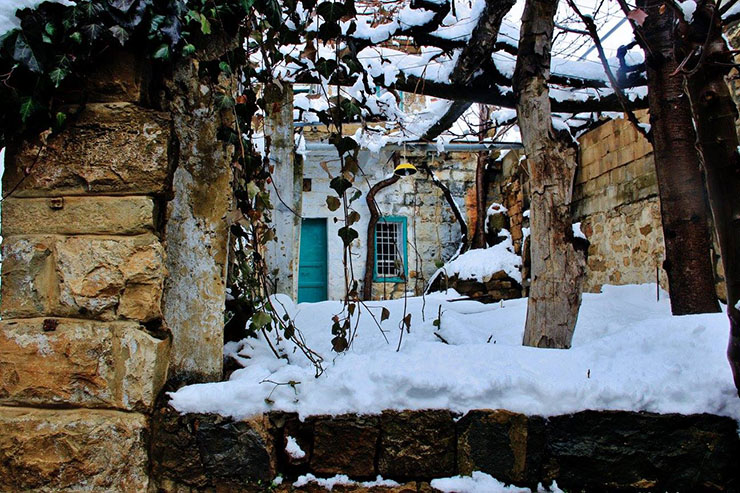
x,y
405,169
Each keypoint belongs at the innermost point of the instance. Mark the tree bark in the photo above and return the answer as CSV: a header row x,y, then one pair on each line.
x,y
715,114
558,264
367,285
479,234
686,232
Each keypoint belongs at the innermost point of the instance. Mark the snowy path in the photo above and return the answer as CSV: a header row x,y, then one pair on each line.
x,y
628,353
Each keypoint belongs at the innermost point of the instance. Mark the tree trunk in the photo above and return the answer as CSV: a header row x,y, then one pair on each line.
x,y
481,186
479,236
715,115
367,285
683,208
558,265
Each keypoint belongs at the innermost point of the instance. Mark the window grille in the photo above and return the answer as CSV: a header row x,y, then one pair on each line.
x,y
390,252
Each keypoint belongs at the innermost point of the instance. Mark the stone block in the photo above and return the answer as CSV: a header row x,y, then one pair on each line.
x,y
29,282
206,450
643,451
78,215
345,445
111,148
117,77
74,362
100,277
417,444
506,445
49,450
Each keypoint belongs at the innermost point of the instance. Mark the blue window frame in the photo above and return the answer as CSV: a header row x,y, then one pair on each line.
x,y
390,250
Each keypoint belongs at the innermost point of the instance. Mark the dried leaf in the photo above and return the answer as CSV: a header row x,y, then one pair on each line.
x,y
638,16
385,314
339,343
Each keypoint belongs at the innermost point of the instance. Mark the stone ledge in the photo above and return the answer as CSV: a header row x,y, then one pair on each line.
x,y
111,148
78,215
72,450
83,363
92,277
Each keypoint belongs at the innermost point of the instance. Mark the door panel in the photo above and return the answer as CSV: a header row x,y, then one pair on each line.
x,y
312,270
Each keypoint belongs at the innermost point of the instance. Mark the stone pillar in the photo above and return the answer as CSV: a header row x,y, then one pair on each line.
x,y
83,350
197,231
285,191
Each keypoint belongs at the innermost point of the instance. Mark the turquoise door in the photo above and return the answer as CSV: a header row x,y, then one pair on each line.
x,y
312,272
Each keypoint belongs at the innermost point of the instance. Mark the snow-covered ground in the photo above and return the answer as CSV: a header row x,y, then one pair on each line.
x,y
628,353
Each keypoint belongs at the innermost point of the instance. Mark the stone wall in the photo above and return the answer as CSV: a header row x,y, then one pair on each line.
x,y
616,200
83,352
587,451
97,222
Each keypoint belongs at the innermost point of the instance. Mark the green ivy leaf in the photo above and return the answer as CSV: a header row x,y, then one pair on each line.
x,y
188,49
162,53
331,11
326,67
23,54
205,25
57,75
261,319
28,106
61,117
119,34
225,68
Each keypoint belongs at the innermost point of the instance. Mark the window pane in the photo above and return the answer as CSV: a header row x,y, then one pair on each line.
x,y
389,249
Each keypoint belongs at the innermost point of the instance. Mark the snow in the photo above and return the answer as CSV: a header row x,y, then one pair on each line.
x,y
688,8
293,449
628,353
577,231
481,482
341,480
480,264
8,8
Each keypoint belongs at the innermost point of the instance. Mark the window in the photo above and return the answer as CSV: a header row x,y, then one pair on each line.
x,y
390,249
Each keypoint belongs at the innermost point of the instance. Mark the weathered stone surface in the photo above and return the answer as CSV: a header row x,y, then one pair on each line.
x,y
506,445
29,282
642,451
72,450
78,215
83,363
111,148
417,444
205,450
197,230
119,76
97,277
345,444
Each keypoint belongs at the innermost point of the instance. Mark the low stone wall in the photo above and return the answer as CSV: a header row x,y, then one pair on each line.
x,y
590,450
